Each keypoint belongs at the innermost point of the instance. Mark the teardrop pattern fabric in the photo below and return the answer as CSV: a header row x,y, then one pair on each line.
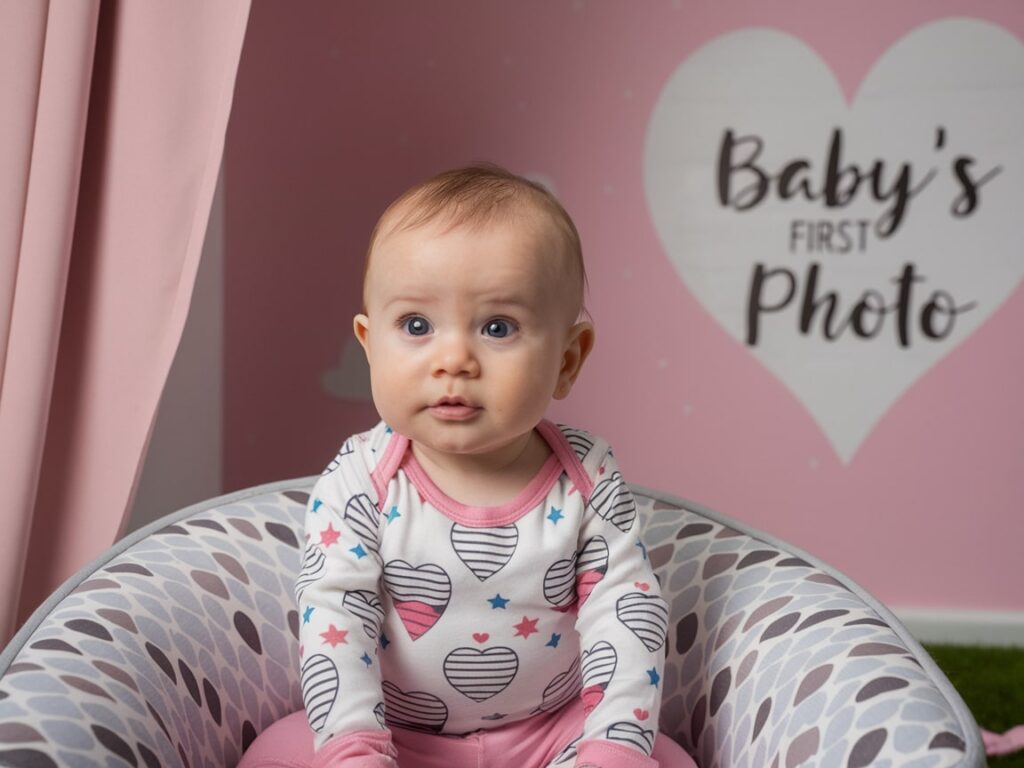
x,y
854,692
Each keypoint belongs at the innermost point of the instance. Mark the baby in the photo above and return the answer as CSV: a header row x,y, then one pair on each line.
x,y
475,591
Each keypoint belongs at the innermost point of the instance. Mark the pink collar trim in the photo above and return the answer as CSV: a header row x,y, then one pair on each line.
x,y
387,466
563,458
485,517
570,461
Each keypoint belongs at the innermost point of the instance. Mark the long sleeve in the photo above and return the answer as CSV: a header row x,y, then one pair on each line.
x,y
622,621
340,615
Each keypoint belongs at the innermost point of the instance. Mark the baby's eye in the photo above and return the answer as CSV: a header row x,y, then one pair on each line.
x,y
499,329
415,325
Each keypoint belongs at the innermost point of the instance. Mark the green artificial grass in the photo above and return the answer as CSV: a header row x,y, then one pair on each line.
x,y
991,682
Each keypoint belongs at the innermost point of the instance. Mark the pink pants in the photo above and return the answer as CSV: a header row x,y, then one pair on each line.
x,y
532,743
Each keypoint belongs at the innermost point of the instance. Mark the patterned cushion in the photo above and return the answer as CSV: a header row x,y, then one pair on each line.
x,y
180,644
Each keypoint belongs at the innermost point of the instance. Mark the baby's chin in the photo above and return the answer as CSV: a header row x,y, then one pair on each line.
x,y
462,446
463,441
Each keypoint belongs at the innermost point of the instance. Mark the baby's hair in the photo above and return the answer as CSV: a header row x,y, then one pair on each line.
x,y
475,196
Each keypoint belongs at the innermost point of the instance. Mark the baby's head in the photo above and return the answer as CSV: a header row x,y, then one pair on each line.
x,y
472,301
482,196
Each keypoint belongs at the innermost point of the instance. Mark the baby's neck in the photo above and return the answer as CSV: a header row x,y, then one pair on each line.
x,y
487,479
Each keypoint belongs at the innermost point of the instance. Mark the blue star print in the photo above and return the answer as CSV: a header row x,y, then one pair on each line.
x,y
556,515
317,504
306,614
367,660
553,642
393,514
384,642
358,551
643,549
655,677
498,601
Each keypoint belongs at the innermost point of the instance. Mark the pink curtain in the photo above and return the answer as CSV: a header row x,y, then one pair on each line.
x,y
112,123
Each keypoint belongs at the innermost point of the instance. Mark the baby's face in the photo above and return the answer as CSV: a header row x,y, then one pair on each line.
x,y
469,332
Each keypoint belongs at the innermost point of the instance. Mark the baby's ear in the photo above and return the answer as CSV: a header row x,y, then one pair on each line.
x,y
361,328
577,348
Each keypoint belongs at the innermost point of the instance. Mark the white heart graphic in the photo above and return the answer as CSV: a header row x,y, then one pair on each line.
x,y
613,501
313,567
631,733
646,616
485,551
319,689
948,90
479,675
415,710
562,688
599,664
362,514
368,607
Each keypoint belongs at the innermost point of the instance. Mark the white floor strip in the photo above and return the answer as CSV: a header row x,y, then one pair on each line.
x,y
930,625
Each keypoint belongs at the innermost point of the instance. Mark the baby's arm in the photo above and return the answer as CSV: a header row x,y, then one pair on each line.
x,y
340,616
622,622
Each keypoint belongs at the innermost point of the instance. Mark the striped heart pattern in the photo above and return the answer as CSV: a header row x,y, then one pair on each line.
x,y
415,710
367,606
572,579
632,734
613,501
598,665
344,451
362,515
598,669
420,594
646,616
562,688
591,566
319,679
378,713
560,584
580,441
485,551
481,674
312,569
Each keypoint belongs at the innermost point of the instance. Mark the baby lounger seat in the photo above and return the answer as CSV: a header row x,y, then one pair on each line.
x,y
180,644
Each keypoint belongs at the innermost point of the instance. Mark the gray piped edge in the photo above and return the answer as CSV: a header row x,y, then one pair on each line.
x,y
974,756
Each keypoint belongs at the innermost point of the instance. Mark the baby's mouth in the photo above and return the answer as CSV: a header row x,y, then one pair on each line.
x,y
451,401
454,409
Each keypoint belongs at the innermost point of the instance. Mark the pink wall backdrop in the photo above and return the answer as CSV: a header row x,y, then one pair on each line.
x,y
340,106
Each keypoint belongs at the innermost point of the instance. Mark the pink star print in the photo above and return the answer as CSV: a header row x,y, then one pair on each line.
x,y
333,636
330,536
526,627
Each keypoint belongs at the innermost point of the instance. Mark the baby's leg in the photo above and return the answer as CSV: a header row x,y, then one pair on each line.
x,y
288,743
671,755
564,727
666,754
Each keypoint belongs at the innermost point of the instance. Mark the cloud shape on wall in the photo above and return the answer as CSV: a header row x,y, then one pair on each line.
x,y
350,378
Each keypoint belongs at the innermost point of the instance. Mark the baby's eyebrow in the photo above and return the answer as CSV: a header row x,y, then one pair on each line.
x,y
408,299
517,303
509,300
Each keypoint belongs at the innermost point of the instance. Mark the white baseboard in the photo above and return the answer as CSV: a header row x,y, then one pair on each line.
x,y
932,625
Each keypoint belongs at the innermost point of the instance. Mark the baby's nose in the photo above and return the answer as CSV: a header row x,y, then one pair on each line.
x,y
456,356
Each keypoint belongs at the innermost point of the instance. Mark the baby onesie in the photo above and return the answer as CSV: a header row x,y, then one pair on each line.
x,y
422,613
